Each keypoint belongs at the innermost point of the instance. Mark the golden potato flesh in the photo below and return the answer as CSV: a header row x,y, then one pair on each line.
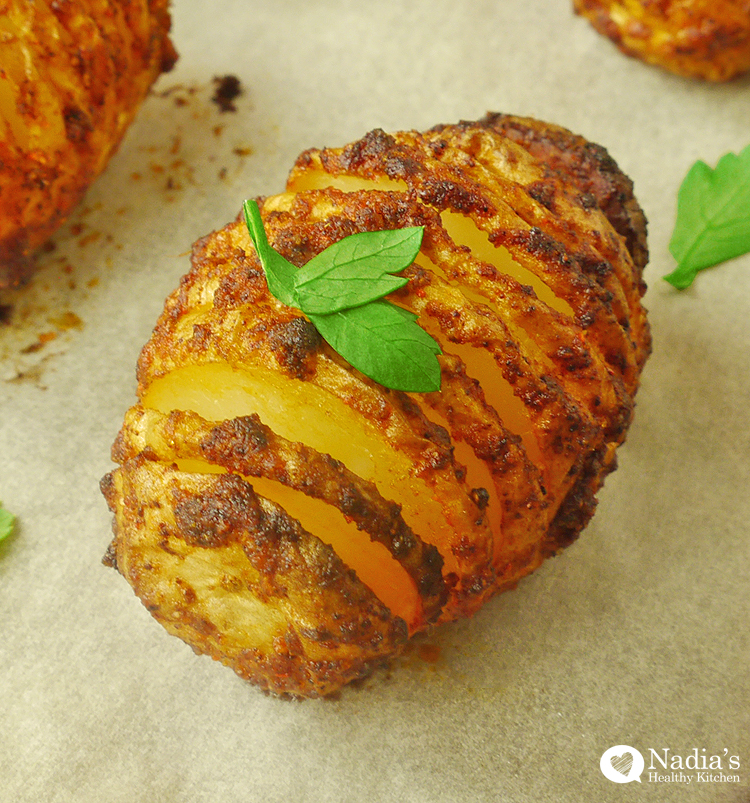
x,y
424,505
706,39
72,76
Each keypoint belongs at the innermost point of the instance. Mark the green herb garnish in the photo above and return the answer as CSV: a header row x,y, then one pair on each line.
x,y
713,217
341,291
7,520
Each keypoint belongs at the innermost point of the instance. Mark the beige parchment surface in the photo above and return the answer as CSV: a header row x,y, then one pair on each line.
x,y
639,634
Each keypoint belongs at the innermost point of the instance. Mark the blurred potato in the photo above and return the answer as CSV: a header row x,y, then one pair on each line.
x,y
706,39
290,517
72,77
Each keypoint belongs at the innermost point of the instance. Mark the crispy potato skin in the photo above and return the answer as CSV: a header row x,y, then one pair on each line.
x,y
704,39
589,169
204,551
467,489
72,78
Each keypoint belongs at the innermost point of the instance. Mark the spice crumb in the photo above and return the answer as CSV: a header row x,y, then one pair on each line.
x,y
228,88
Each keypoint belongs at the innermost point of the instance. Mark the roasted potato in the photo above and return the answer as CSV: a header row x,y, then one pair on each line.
x,y
706,39
72,76
287,515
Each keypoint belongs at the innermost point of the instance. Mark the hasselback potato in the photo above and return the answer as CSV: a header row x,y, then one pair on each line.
x,y
284,513
705,39
72,76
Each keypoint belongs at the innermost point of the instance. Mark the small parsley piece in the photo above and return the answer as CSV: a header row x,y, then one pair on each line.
x,y
7,520
713,217
342,289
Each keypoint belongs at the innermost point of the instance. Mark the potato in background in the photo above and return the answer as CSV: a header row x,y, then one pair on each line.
x,y
72,77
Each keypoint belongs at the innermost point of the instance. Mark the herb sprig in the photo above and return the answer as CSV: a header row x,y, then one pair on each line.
x,y
342,289
713,217
7,521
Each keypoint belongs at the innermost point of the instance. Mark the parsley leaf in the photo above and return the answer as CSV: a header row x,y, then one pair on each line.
x,y
279,272
7,520
341,291
385,343
713,217
356,270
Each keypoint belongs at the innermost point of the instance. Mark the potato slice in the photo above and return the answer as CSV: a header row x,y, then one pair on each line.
x,y
238,579
588,171
402,571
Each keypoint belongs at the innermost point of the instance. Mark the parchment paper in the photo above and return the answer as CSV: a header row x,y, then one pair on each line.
x,y
637,635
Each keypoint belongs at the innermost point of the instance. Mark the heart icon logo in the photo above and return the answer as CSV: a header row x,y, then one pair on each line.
x,y
622,764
